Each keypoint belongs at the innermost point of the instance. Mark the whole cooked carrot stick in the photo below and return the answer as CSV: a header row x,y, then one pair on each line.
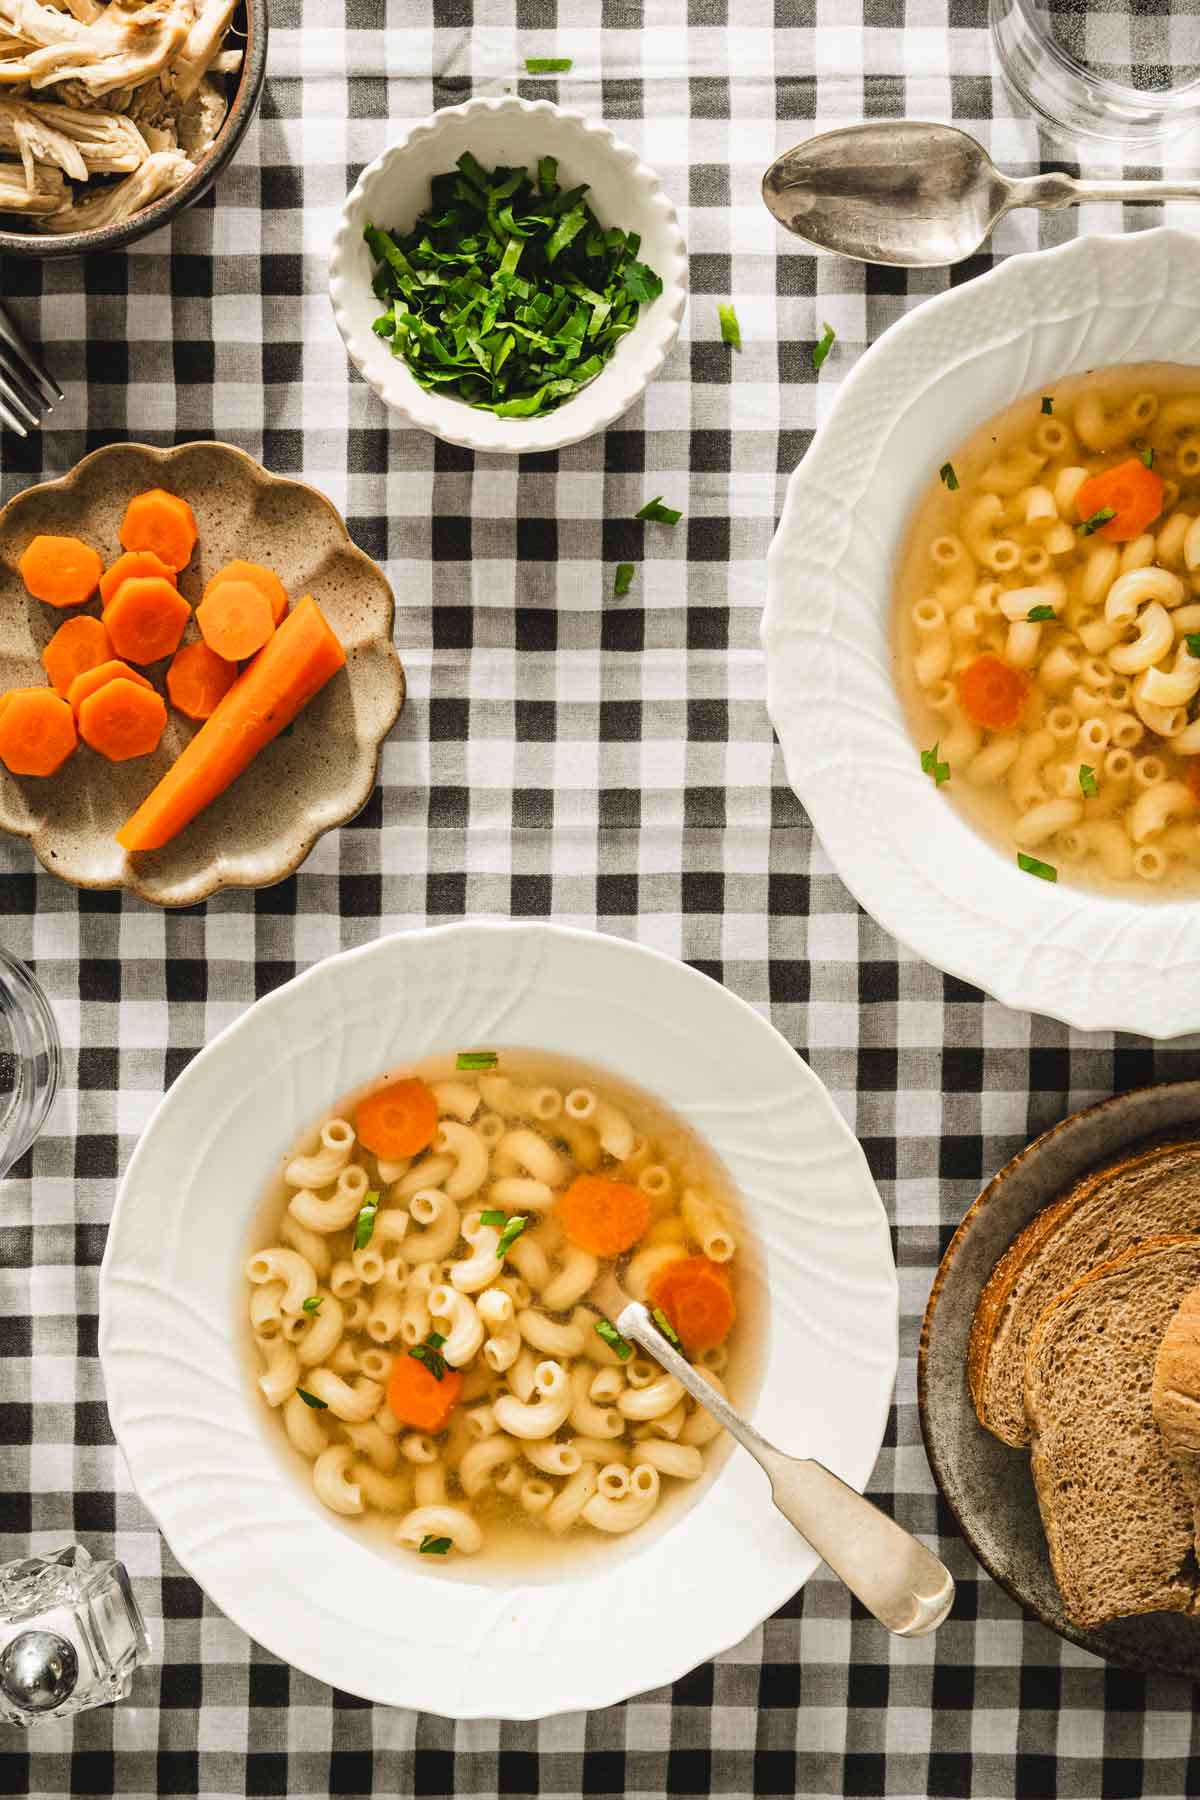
x,y
293,665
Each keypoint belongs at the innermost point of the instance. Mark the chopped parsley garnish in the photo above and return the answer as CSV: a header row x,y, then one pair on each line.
x,y
428,1353
1047,404
658,513
511,1233
731,331
311,1400
624,579
821,350
1031,866
507,292
547,65
931,766
493,1217
364,1225
1098,518
433,1546
1037,615
1087,781
1148,458
467,1060
665,1326
1192,640
612,1337
946,474
312,1304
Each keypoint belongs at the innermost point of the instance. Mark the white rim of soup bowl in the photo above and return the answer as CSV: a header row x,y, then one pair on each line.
x,y
454,421
183,1408
911,860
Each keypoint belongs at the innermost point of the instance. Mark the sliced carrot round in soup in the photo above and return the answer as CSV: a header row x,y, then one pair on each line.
x,y
417,1396
695,1296
992,692
397,1120
604,1217
1130,494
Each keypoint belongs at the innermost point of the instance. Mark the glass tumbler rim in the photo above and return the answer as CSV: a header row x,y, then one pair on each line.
x,y
30,1022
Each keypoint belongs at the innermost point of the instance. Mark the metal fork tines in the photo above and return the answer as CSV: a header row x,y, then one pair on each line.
x,y
27,392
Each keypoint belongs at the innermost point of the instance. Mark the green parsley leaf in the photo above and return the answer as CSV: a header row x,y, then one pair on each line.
x,y
433,1546
435,1339
1031,866
946,474
1047,404
1037,615
641,283
624,579
312,1304
1148,458
547,65
658,513
731,331
1099,518
1087,781
665,1326
612,1337
510,1234
493,1217
427,1353
311,1400
467,1060
931,766
364,1225
822,349
1192,640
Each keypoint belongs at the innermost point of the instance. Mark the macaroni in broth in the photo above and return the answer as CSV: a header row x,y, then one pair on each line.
x,y
1049,628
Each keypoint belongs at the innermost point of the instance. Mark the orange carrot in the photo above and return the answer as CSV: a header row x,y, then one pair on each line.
x,y
260,577
78,644
62,571
418,1398
397,1120
123,719
37,731
92,680
1132,492
603,1216
294,665
235,619
993,692
197,679
134,562
145,618
694,1294
160,522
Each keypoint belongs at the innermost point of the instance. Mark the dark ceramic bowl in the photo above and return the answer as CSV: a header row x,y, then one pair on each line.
x,y
250,24
987,1485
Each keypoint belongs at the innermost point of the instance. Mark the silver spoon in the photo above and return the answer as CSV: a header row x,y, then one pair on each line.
x,y
918,195
897,1579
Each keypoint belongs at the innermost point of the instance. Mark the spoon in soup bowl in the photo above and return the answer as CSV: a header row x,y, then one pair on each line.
x,y
897,1579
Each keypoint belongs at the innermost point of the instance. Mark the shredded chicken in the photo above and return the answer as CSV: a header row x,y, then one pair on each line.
x,y
91,89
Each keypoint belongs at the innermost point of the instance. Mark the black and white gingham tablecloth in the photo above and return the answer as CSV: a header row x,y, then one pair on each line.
x,y
563,754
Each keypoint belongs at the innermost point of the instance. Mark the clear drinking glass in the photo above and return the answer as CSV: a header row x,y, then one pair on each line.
x,y
29,1059
1125,72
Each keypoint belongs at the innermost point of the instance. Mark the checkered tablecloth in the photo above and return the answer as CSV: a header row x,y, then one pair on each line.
x,y
565,754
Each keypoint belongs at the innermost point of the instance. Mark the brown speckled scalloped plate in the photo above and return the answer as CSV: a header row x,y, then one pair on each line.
x,y
987,1485
314,776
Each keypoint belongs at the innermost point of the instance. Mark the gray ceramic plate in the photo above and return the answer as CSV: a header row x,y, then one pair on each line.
x,y
986,1484
314,776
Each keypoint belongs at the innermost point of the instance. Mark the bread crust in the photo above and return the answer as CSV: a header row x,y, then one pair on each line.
x,y
994,1302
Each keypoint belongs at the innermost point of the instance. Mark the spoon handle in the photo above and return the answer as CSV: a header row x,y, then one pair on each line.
x,y
897,1579
1057,190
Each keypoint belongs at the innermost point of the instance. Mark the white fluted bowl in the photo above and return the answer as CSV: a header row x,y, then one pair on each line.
x,y
393,191
903,849
183,1405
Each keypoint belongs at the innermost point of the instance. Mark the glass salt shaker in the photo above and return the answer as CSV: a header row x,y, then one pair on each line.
x,y
71,1635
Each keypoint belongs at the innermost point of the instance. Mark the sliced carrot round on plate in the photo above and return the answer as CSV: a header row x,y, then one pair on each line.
x,y
134,562
79,644
162,522
198,679
62,571
123,719
92,680
258,576
235,619
37,731
145,618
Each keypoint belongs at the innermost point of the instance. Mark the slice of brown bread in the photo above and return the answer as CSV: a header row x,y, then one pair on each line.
x,y
1176,1392
1115,1504
1153,1193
